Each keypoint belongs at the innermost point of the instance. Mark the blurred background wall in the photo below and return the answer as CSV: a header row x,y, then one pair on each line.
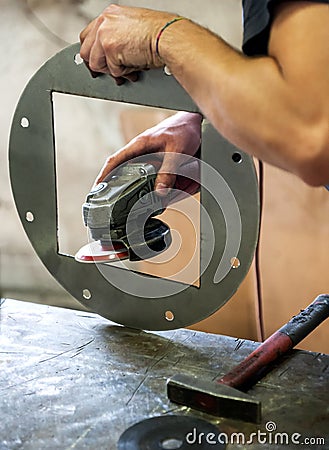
x,y
295,234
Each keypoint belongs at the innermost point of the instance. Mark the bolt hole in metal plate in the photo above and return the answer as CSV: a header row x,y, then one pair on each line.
x,y
29,216
25,122
229,213
86,294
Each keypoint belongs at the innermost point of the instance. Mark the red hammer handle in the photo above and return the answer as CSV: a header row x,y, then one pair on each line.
x,y
279,343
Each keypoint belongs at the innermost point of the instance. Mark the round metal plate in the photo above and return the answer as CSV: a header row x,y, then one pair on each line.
x,y
170,433
229,198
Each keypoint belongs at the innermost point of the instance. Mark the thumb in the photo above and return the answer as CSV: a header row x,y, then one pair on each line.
x,y
167,174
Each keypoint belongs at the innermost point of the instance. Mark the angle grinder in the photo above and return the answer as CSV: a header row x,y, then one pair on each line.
x,y
127,195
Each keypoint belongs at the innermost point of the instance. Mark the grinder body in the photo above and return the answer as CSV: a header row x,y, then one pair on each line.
x,y
127,195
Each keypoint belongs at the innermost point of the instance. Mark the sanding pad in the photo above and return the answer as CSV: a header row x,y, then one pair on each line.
x,y
94,252
154,239
170,433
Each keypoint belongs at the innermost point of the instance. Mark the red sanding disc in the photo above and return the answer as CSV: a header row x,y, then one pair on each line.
x,y
94,252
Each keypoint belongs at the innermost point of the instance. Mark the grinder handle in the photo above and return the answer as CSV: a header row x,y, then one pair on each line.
x,y
278,343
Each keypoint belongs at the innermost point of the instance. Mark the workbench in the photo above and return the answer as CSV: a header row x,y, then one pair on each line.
x,y
73,380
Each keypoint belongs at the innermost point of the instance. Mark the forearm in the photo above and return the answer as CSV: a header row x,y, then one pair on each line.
x,y
248,100
275,108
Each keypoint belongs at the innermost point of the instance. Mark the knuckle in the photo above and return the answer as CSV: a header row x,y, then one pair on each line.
x,y
100,19
96,64
142,140
108,161
107,43
92,67
83,54
91,64
116,71
111,9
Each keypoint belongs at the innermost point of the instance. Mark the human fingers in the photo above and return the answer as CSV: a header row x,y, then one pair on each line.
x,y
133,149
97,60
180,172
98,66
101,69
86,31
88,38
188,179
116,68
167,174
134,76
102,60
119,80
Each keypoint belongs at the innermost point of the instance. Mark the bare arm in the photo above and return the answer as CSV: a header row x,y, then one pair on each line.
x,y
275,108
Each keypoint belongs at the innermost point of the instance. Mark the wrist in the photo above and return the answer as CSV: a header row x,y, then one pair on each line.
x,y
158,28
162,30
191,117
183,46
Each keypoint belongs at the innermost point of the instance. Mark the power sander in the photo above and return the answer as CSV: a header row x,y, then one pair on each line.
x,y
126,195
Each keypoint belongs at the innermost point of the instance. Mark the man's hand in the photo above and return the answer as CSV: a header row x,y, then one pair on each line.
x,y
175,136
121,41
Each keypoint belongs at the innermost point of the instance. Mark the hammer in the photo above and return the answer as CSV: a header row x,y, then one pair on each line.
x,y
223,397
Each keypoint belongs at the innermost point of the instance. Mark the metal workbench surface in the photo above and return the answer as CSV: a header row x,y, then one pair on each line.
x,y
73,380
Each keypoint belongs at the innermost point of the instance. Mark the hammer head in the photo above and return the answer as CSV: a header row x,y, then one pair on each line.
x,y
213,398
